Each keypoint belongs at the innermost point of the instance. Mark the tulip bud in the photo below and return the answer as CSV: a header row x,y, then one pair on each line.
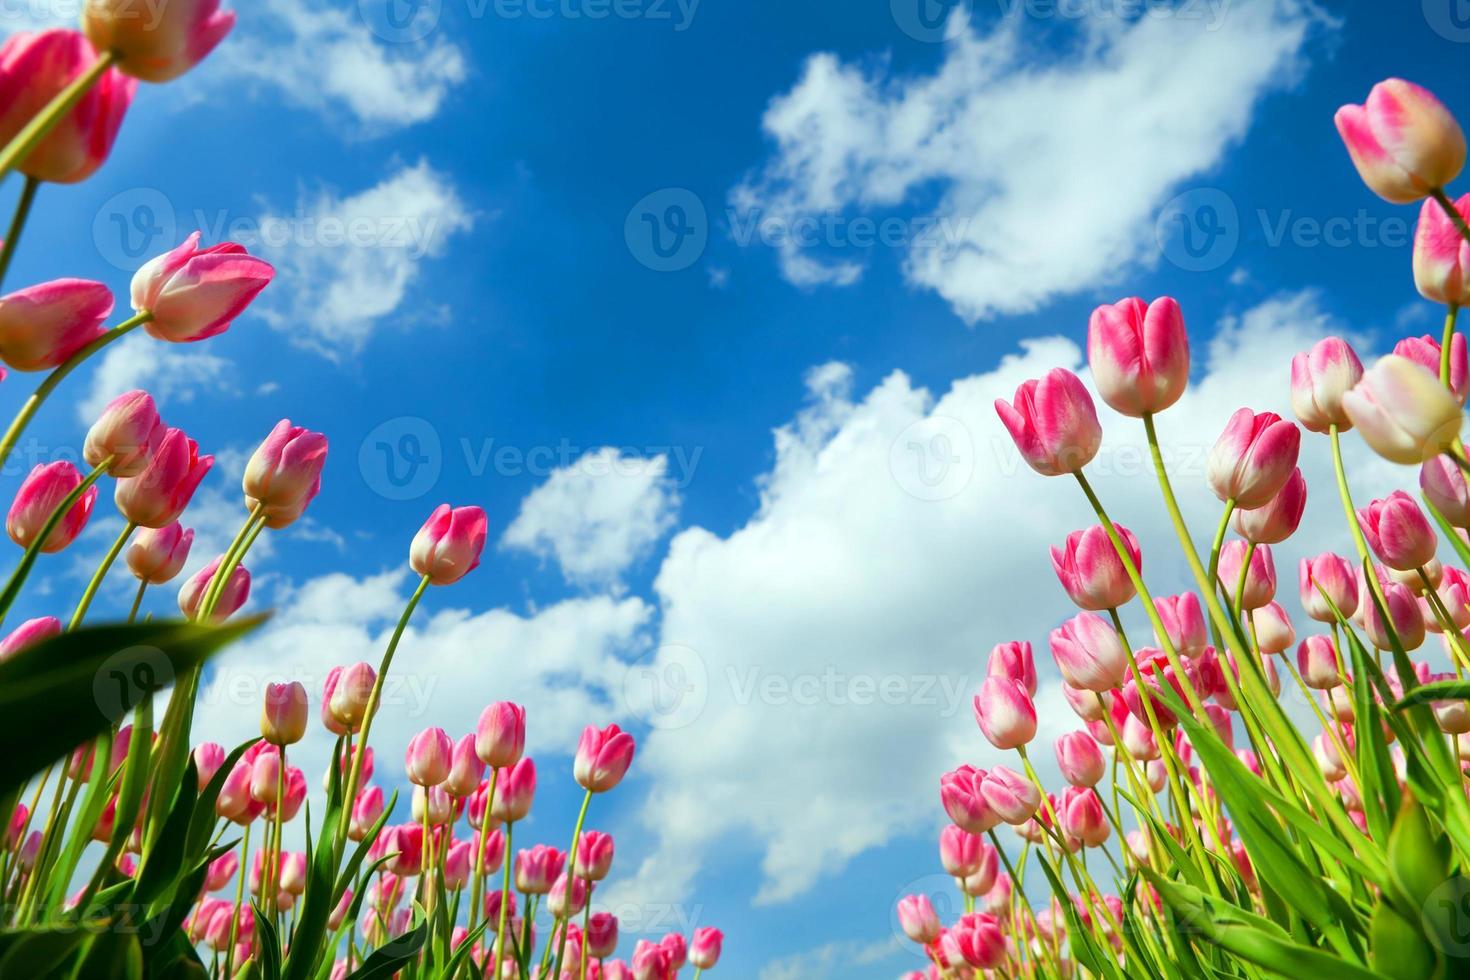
x,y
208,758
1403,412
1426,352
365,813
1316,660
43,491
1319,379
1090,570
232,594
500,737
1011,795
465,769
959,851
126,433
980,940
283,715
1403,141
1080,759
1014,660
1253,458
158,495
1053,423
1139,354
1333,575
1403,613
1278,519
1441,255
515,789
1005,713
1184,623
594,856
603,757
1260,578
193,293
284,473
457,866
28,634
1446,488
157,555
163,44
959,792
1089,653
42,326
1272,627
428,758
537,868
448,546
1398,532
348,700
1081,815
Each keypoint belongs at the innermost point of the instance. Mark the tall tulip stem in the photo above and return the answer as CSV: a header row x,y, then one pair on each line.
x,y
572,877
505,895
37,129
1452,313
100,574
18,222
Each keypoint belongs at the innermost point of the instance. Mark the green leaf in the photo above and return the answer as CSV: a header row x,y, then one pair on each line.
x,y
311,929
65,691
1400,950
164,861
267,945
1438,691
391,957
1418,854
111,955
38,953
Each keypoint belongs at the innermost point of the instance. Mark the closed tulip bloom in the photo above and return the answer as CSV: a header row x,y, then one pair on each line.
x,y
284,473
603,757
1015,661
917,918
43,491
1403,141
1316,661
1453,590
515,789
980,940
234,802
293,873
407,842
348,701
159,494
1333,575
959,792
42,326
1053,423
1253,458
265,774
429,755
1403,412
537,869
365,813
678,950
1441,255
594,856
1080,759
500,736
1139,354
1273,630
1184,623
457,866
448,546
1089,653
28,634
1398,532
193,293
162,45
1081,814
704,951
602,934
1088,705
157,555
465,768
1260,579
1277,520
1319,379
1005,713
232,594
1157,671
1425,351
283,715
1090,570
959,851
1403,613
127,433
1011,795
1445,487
208,758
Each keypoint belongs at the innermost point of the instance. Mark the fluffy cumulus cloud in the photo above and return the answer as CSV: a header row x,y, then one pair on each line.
x,y
1041,171
598,515
899,537
346,263
171,373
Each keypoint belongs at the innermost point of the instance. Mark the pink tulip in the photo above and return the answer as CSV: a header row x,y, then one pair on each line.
x,y
1403,141
1053,423
959,851
283,714
1088,705
34,69
1184,623
1274,633
1089,653
537,869
158,495
1253,458
234,802
127,433
1005,713
1398,532
678,950
284,473
704,951
1090,570
1403,612
1014,660
28,634
365,812
1319,379
603,757
1081,815
293,873
1445,486
43,491
980,940
1426,352
1080,759
430,753
193,293
594,856
1260,579
162,45
457,866
515,789
1011,795
1331,574
1278,519
602,935
232,594
568,897
208,758
1157,672
1316,660
1139,354
265,774
448,546
1453,590
1441,255
42,326
500,737
651,962
1402,411
157,555
465,769
959,792
349,697
407,842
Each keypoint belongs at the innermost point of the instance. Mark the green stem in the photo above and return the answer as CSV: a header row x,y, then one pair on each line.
x,y
1452,212
239,898
1452,311
38,128
504,902
477,892
273,896
18,222
100,574
137,601
23,570
571,877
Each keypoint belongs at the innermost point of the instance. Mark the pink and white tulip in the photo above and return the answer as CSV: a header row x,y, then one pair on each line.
x,y
1005,714
45,488
1253,458
1403,141
448,546
1139,354
1090,570
193,293
1053,423
1319,379
162,45
1403,412
1442,255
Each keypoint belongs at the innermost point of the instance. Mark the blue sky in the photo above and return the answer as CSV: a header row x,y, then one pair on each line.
x,y
760,542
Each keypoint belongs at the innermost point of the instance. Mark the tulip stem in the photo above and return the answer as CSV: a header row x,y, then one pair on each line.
x,y
587,931
372,707
33,403
1451,212
274,895
478,891
1452,312
505,899
100,574
239,898
571,882
23,570
38,128
137,601
18,222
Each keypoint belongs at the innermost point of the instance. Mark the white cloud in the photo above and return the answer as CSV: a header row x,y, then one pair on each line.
x,y
172,373
598,515
828,961
826,650
1050,165
345,263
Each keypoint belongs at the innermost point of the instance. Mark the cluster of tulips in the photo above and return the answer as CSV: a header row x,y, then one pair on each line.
x,y
172,888
1243,841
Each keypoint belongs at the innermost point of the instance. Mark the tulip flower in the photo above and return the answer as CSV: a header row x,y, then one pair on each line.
x,y
158,495
1331,574
1278,519
457,866
1403,412
1090,570
192,293
704,951
1316,660
162,45
234,802
125,435
1403,141
603,757
980,940
917,918
677,949
1089,653
537,869
1156,671
1319,379
1253,458
1080,759
157,555
1442,255
1260,578
1081,815
1403,614
348,699
283,713
500,736
465,769
28,634
1139,354
959,851
1011,795
284,473
366,810
431,803
406,841
1088,705
1014,660
959,792
1445,486
1398,532
594,856
1005,713
208,758
1427,353
231,597
429,755
43,491
448,546
1453,591
602,935
514,791
1053,423
1184,623
1273,630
